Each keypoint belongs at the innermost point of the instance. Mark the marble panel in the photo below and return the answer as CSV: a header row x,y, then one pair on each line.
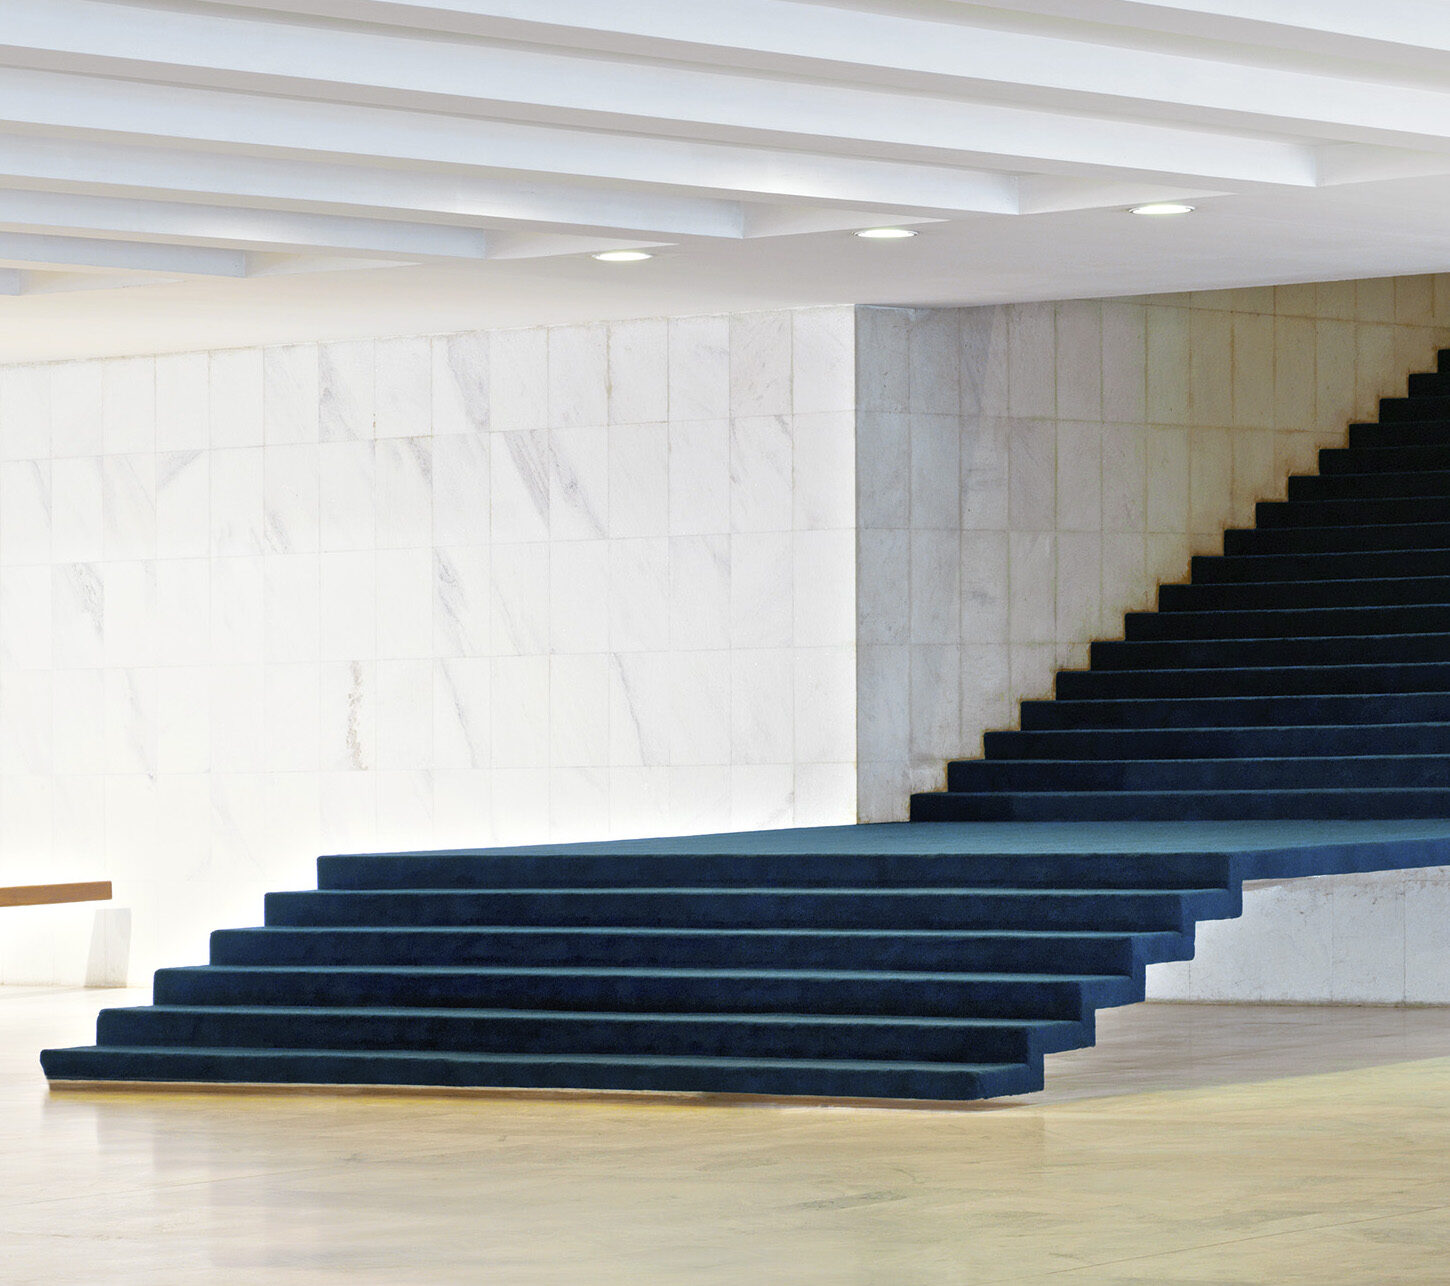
x,y
405,716
519,485
1080,359
825,794
26,617
982,562
699,476
1210,368
983,361
1414,300
25,408
883,471
883,587
578,803
761,473
234,388
579,596
1080,476
1295,379
1032,352
238,595
404,588
825,579
1427,936
1254,479
936,723
128,405
348,605
699,368
403,387
1253,370
883,703
26,721
762,704
78,721
347,717
1032,587
1079,585
1031,670
77,615
183,719
1334,364
519,609
824,486
1125,362
578,385
25,512
1124,478
1210,479
521,805
638,597
1368,960
183,504
823,378
461,402
639,372
292,620
935,587
762,597
699,709
640,718
986,453
1374,299
128,506
1167,461
183,611
75,408
461,490
183,407
935,472
291,497
639,800
403,493
76,512
986,700
883,384
290,394
1126,584
825,704
1375,373
1167,365
760,364
347,496
128,591
933,353
236,502
699,596
462,736
639,499
462,601
292,694
238,718
346,409
1032,475
579,693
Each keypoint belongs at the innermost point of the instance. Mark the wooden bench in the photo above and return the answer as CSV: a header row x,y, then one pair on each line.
x,y
49,894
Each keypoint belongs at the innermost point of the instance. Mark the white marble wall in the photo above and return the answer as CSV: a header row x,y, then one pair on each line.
x,y
481,588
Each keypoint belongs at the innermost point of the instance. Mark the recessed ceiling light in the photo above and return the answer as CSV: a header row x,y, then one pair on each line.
x,y
622,256
885,234
1162,207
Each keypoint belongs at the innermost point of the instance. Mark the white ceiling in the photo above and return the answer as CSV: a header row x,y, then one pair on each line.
x,y
185,173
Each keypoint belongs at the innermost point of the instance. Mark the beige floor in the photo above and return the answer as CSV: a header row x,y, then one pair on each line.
x,y
1197,1144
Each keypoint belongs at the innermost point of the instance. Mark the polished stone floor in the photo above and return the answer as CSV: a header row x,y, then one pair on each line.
x,y
1197,1144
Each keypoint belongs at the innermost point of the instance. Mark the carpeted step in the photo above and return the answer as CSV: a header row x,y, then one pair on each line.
x,y
1429,384
772,907
1334,539
1227,681
1319,651
1255,624
1272,515
1423,406
1187,712
1372,459
1356,486
933,950
1280,741
717,991
1231,596
616,868
561,1032
1200,774
1340,565
1168,806
834,1078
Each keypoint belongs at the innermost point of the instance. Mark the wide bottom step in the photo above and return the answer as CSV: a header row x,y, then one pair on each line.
x,y
817,1078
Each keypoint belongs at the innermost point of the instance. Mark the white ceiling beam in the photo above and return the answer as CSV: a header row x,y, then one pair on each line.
x,y
92,37
80,106
331,187
235,225
1065,70
125,256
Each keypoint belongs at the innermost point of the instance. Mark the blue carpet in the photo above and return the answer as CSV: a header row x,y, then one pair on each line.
x,y
1286,714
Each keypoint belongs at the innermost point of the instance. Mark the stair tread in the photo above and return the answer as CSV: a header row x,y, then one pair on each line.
x,y
685,931
637,971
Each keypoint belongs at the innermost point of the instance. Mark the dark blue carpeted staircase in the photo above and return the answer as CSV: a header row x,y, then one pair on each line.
x,y
1305,674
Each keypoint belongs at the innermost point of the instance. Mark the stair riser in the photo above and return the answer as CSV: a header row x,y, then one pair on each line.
x,y
1199,774
1220,743
630,948
1368,511
1231,712
1034,910
1127,683
1309,594
593,1034
899,995
1366,459
1291,623
1359,486
1168,807
1287,569
1310,540
1423,427
616,870
279,1067
1429,384
1241,654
